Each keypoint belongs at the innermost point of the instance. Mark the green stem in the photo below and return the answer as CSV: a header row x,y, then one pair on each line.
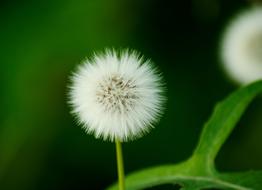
x,y
120,166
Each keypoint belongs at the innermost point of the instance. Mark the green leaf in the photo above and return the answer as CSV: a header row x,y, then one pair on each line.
x,y
223,120
182,175
198,172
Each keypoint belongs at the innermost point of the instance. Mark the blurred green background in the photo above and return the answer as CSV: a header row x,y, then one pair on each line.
x,y
41,42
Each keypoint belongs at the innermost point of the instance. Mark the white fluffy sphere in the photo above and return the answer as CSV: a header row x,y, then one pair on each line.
x,y
242,47
117,95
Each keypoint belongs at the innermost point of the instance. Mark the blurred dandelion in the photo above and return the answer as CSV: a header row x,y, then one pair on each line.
x,y
242,47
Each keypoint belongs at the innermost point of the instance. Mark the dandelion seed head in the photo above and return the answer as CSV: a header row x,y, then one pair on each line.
x,y
117,95
242,47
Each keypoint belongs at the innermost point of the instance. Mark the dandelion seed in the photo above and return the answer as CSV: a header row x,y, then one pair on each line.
x,y
242,47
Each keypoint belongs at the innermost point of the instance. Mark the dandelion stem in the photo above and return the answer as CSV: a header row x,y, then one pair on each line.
x,y
120,166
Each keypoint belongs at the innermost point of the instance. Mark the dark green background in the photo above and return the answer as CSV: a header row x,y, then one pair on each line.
x,y
41,42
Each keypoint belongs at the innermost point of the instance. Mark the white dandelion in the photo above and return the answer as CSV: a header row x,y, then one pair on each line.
x,y
117,95
242,47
